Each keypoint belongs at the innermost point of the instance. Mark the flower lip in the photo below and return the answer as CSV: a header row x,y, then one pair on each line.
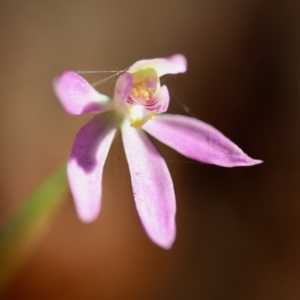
x,y
140,85
132,97
144,88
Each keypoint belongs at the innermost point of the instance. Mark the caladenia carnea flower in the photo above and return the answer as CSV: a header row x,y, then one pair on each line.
x,y
136,109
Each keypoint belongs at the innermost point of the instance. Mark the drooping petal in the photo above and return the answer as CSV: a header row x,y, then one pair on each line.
x,y
122,89
152,186
86,164
77,96
197,140
172,65
160,102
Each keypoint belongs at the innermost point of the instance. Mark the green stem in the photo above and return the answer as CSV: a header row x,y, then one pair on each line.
x,y
20,235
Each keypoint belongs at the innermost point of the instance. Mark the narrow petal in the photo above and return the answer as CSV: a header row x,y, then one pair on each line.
x,y
152,186
77,96
197,140
160,102
86,164
172,65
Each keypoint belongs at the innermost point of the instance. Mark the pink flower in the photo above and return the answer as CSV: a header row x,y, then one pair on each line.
x,y
136,107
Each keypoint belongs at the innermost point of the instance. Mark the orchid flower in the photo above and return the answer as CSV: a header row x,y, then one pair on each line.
x,y
137,106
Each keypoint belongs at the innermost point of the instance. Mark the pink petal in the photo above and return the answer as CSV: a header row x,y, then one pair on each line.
x,y
172,65
77,96
152,186
86,163
122,89
160,102
197,140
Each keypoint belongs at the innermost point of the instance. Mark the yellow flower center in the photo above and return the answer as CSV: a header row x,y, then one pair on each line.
x,y
145,85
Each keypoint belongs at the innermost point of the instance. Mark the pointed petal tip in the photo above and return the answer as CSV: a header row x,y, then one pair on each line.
x,y
243,160
86,217
165,243
256,161
253,162
164,236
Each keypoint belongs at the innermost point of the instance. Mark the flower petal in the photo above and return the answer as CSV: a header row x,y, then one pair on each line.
x,y
152,186
86,164
172,65
197,140
160,102
122,89
77,96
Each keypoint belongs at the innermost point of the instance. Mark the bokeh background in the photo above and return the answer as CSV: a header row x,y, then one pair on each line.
x,y
238,229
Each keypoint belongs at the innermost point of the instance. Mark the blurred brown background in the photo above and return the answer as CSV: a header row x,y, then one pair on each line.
x,y
238,229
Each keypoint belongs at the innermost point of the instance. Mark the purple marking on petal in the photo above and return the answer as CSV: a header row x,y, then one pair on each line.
x,y
160,102
152,186
197,140
77,96
123,87
86,164
151,83
172,65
